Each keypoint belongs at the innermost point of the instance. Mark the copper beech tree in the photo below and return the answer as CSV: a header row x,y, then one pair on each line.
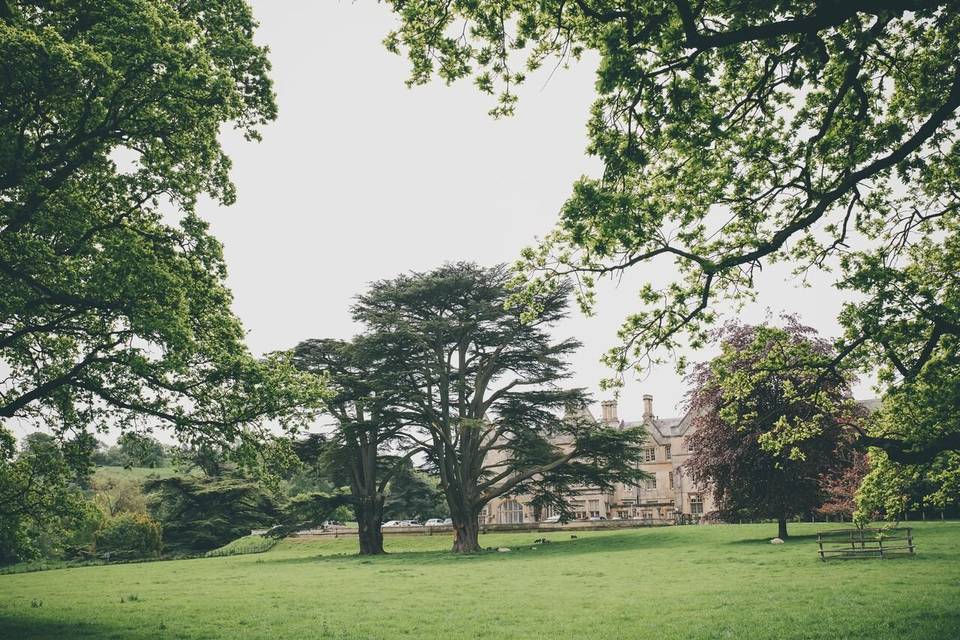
x,y
759,386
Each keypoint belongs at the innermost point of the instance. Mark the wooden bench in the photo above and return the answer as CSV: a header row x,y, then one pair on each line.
x,y
847,544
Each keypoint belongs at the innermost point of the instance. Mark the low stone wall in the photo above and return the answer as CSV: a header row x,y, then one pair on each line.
x,y
579,525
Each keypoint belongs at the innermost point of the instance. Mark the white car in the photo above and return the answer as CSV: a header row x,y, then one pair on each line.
x,y
552,519
410,523
392,523
437,522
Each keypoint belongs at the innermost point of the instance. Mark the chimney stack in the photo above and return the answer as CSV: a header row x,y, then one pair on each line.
x,y
647,406
609,411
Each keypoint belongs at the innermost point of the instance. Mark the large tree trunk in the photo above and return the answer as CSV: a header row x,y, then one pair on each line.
x,y
782,527
369,513
466,536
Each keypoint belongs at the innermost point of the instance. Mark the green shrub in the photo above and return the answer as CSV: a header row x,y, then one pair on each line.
x,y
129,535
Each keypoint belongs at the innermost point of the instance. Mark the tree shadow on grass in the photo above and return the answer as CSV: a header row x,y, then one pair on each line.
x,y
527,550
802,538
12,626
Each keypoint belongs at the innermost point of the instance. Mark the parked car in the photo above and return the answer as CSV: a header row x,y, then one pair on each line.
x,y
597,518
393,523
553,519
410,523
437,522
448,521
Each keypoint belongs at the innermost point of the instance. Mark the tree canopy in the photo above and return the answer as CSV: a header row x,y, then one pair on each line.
x,y
483,390
114,309
735,135
368,445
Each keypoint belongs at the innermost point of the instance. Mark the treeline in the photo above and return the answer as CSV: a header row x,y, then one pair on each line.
x,y
204,501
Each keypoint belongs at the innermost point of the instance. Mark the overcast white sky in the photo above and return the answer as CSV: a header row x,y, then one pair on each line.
x,y
362,178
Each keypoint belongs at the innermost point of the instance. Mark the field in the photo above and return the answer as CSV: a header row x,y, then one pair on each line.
x,y
677,582
133,473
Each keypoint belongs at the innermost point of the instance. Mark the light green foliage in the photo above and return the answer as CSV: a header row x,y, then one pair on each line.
x,y
114,308
128,536
720,582
738,134
890,489
114,495
38,493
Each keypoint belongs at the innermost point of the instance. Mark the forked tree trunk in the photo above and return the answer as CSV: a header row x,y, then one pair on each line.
x,y
369,513
782,527
466,534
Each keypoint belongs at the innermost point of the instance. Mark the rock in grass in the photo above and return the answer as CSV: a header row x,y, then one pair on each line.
x,y
777,541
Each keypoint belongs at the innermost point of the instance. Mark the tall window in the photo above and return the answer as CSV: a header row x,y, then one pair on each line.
x,y
666,452
696,504
649,454
670,479
650,483
511,512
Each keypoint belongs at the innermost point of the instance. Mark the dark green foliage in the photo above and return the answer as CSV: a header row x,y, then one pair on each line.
x,y
363,406
308,510
411,496
129,536
199,514
138,450
482,387
39,489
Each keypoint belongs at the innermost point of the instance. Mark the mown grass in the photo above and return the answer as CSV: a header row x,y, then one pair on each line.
x,y
678,582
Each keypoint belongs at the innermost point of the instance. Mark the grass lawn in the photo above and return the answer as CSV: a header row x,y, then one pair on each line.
x,y
133,473
677,582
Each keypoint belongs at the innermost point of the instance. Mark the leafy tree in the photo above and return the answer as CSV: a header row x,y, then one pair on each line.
x,y
483,389
129,535
213,460
115,496
358,453
199,514
752,390
114,307
138,450
410,496
39,486
106,456
891,490
841,483
736,134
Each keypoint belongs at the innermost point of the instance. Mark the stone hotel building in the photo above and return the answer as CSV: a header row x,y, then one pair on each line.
x,y
663,498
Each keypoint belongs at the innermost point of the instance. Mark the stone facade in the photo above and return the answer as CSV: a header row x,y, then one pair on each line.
x,y
665,498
